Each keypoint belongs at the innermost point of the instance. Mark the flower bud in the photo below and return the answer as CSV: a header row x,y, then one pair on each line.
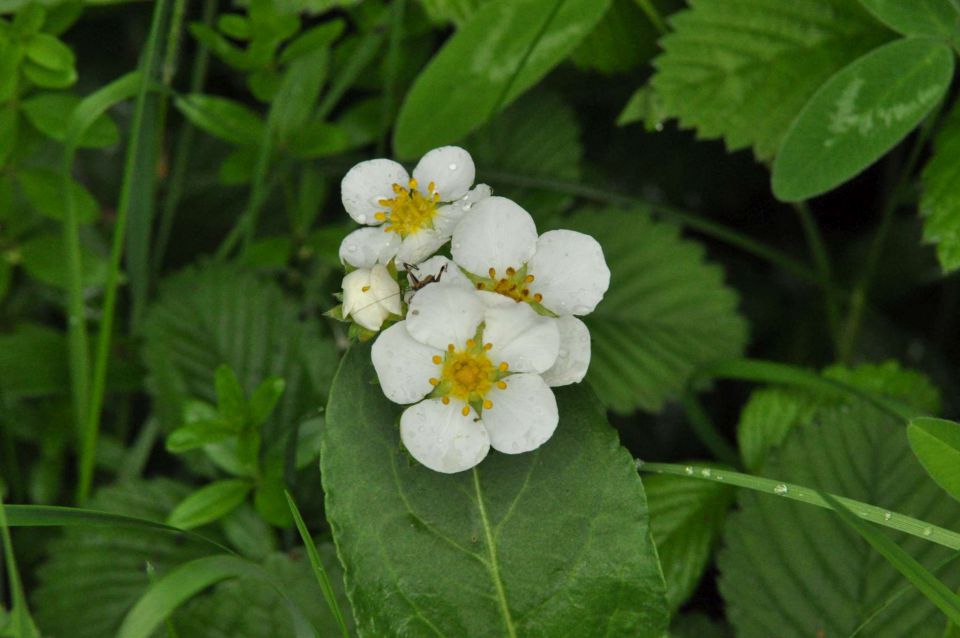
x,y
370,295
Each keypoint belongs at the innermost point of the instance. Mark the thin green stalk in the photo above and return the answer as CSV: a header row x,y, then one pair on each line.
x,y
91,428
246,225
184,146
821,261
392,67
172,47
810,496
23,625
319,571
654,16
707,432
366,51
861,292
678,215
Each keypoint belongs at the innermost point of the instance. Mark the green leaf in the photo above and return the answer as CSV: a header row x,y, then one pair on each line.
x,y
45,111
666,314
43,260
937,18
219,315
645,105
319,139
249,607
231,399
33,361
791,570
928,584
940,193
537,137
198,434
697,625
503,50
686,518
296,98
859,114
209,503
75,571
221,117
715,70
265,398
234,25
314,39
49,78
8,132
456,11
936,443
44,190
623,39
249,533
771,413
492,540
49,52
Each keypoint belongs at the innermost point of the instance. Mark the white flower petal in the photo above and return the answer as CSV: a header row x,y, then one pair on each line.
x,y
404,365
352,286
570,272
365,247
497,234
527,341
524,415
574,358
441,269
385,289
451,170
449,216
444,313
441,438
367,183
420,245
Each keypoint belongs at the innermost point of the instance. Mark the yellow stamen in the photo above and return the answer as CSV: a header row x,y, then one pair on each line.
x,y
511,271
529,279
487,404
437,359
450,347
487,346
538,297
446,400
503,366
434,381
410,211
365,289
493,273
465,411
502,385
471,343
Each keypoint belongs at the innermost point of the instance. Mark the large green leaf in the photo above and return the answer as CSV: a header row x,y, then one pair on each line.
x,y
686,518
666,313
503,50
554,542
217,315
743,70
940,194
938,18
859,114
936,442
794,571
95,574
625,38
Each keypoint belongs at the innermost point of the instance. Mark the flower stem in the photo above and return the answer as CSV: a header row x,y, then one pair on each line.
x,y
707,432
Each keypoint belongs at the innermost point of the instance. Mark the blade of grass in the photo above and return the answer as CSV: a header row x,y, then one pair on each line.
x,y
136,202
872,513
928,584
80,119
23,625
165,595
318,569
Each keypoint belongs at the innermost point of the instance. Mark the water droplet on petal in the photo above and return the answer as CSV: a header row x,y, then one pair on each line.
x,y
688,470
562,354
352,248
362,219
780,489
452,167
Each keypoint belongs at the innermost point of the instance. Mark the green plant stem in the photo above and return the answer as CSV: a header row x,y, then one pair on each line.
x,y
184,145
393,59
368,48
653,15
78,341
821,261
246,226
810,496
707,432
91,428
504,98
672,213
861,292
22,623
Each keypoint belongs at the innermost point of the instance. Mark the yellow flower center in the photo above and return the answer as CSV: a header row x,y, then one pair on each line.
x,y
410,211
468,375
516,285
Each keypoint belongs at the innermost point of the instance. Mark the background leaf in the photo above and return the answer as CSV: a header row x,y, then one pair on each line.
x,y
794,570
743,70
936,18
568,523
209,503
46,112
940,193
505,48
666,313
859,114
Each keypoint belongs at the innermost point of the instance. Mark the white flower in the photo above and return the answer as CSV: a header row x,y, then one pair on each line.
x,y
562,271
370,295
412,218
471,364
